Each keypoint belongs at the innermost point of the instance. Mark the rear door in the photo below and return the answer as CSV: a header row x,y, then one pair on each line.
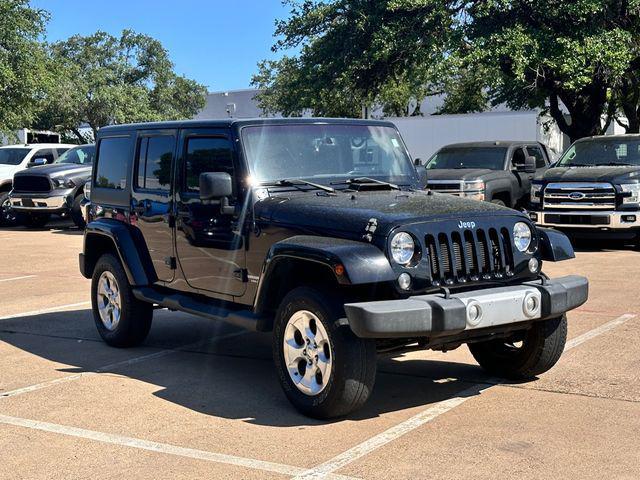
x,y
151,197
209,242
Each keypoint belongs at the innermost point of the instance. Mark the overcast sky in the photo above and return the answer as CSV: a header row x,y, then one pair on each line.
x,y
216,42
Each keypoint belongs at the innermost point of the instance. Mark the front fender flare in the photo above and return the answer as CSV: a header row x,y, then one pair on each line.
x,y
555,246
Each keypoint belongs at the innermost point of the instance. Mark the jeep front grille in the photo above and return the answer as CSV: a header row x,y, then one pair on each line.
x,y
31,183
576,196
471,255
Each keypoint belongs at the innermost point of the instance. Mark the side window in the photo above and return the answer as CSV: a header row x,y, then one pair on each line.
x,y
518,157
206,154
111,171
153,166
60,151
537,153
46,153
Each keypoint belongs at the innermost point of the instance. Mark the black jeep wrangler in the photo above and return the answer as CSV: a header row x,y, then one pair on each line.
x,y
319,231
497,172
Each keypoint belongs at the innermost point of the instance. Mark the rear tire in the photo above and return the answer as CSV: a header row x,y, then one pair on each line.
x,y
122,320
324,369
76,212
541,349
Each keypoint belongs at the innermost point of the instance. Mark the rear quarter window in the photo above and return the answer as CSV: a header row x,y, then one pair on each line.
x,y
112,163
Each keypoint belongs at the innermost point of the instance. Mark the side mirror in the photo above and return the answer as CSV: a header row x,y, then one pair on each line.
x,y
215,185
529,165
422,173
417,162
37,162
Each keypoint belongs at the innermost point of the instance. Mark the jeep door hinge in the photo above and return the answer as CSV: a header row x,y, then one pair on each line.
x,y
171,262
241,274
171,220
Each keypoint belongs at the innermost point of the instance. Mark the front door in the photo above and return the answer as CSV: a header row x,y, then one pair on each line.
x,y
151,198
208,237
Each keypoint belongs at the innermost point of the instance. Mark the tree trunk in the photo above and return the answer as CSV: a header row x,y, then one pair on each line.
x,y
585,109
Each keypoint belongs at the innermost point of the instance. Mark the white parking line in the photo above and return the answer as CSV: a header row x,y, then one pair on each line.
x,y
16,278
157,447
59,308
113,366
431,413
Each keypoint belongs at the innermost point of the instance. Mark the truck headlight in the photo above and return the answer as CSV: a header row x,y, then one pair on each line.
x,y
403,248
63,183
522,236
473,185
634,190
535,193
87,190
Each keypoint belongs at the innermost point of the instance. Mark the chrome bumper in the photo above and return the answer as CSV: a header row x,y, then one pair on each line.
x,y
438,316
43,202
598,219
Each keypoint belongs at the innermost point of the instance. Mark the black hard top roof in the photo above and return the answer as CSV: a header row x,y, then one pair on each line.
x,y
494,144
235,122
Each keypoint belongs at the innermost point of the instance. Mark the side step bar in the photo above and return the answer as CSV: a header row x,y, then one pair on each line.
x,y
184,303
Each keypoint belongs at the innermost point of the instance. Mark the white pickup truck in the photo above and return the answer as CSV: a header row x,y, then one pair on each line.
x,y
14,158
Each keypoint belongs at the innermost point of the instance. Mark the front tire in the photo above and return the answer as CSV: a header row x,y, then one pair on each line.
x,y
8,217
121,319
537,351
497,201
76,213
323,368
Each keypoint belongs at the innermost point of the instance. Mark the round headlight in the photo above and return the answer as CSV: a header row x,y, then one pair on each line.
x,y
402,248
522,236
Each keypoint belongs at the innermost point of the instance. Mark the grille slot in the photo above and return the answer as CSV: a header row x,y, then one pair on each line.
x,y
469,256
31,183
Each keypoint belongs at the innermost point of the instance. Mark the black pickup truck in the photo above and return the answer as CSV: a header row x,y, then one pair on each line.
x,y
319,231
497,172
593,190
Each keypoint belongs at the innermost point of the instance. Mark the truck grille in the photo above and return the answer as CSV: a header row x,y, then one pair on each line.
x,y
445,186
31,183
574,196
459,257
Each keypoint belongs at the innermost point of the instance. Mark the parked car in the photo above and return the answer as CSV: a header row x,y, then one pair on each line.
x,y
55,189
14,158
593,190
316,230
497,172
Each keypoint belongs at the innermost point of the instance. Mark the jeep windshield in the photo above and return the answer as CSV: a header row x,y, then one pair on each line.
x,y
12,156
327,153
468,157
602,152
78,156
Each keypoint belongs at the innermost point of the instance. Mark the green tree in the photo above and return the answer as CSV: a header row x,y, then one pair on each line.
x,y
567,58
22,62
101,80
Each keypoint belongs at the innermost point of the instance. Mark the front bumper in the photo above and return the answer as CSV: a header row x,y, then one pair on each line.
x,y
437,316
51,202
589,219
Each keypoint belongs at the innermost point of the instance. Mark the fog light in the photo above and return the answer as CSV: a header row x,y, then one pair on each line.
x,y
530,305
404,281
534,265
533,216
629,218
474,313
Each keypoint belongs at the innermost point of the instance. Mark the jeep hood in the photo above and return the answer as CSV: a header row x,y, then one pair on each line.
x,y
591,174
460,174
59,170
347,214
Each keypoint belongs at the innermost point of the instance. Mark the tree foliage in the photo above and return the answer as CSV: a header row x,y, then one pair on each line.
x,y
579,57
102,79
22,62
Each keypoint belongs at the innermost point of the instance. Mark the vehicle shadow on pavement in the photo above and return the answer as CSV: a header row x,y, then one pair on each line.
x,y
603,245
233,378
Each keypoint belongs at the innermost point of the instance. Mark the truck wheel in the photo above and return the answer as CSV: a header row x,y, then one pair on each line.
x,y
497,201
324,369
76,213
8,217
36,220
539,350
122,320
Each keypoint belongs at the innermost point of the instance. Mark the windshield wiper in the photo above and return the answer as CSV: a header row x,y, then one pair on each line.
x,y
366,181
296,182
615,164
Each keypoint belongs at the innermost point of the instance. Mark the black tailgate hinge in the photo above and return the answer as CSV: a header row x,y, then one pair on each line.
x,y
241,274
171,262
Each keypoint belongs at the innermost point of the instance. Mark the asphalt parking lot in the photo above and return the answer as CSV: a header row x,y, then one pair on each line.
x,y
201,398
